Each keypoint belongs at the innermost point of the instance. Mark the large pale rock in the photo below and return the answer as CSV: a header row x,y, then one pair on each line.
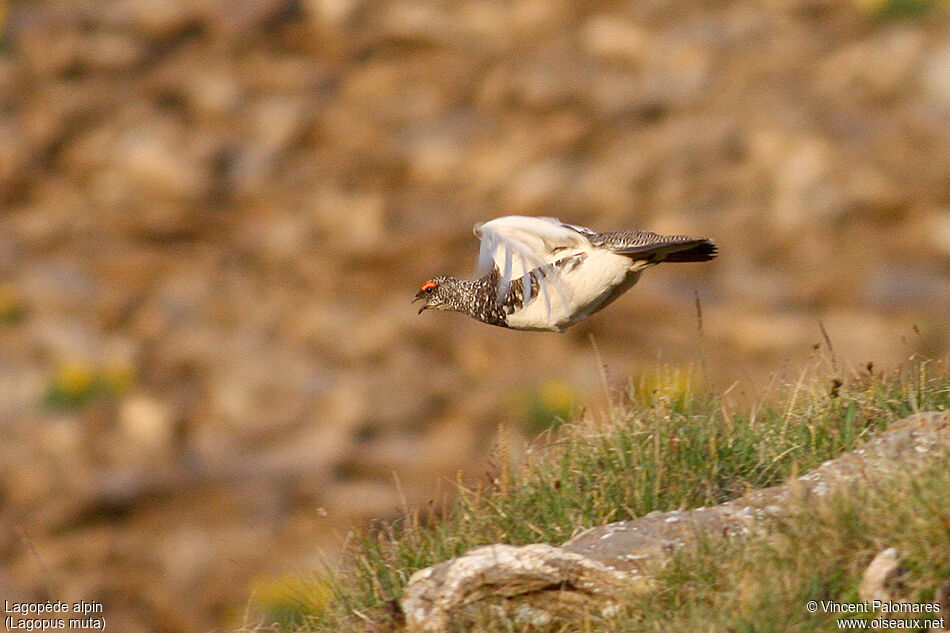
x,y
506,570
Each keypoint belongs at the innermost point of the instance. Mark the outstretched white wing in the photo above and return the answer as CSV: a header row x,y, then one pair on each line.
x,y
519,244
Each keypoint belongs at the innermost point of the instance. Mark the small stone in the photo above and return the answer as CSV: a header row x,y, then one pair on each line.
x,y
878,580
335,13
938,225
935,77
153,156
146,422
614,39
276,122
64,436
112,51
942,598
157,18
212,92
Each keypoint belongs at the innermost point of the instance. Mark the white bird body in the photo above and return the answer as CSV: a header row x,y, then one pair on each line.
x,y
542,274
579,292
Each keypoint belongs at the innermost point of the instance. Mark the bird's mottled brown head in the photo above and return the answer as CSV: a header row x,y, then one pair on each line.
x,y
437,293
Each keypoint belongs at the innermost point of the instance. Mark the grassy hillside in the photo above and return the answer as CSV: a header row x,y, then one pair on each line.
x,y
670,447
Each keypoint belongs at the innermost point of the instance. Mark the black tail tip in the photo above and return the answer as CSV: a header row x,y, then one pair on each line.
x,y
703,251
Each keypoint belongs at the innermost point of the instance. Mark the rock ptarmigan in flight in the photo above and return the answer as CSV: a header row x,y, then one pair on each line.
x,y
542,274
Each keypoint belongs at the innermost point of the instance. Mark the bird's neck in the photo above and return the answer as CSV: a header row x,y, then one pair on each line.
x,y
479,299
465,299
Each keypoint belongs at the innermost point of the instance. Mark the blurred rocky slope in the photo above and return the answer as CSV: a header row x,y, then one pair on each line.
x,y
213,216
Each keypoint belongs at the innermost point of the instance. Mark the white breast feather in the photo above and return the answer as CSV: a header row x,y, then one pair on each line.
x,y
518,244
583,291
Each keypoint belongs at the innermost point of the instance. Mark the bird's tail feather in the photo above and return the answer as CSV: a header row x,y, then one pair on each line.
x,y
701,251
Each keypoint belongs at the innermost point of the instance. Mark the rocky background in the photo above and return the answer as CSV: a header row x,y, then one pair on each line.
x,y
213,216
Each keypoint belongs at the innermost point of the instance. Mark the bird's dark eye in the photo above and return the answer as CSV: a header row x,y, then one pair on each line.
x,y
430,289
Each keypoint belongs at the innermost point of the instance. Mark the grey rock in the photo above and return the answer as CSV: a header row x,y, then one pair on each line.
x,y
505,570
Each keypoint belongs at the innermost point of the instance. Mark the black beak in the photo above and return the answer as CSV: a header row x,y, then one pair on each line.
x,y
420,295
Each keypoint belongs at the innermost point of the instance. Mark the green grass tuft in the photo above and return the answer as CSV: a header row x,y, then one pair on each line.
x,y
77,383
905,9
